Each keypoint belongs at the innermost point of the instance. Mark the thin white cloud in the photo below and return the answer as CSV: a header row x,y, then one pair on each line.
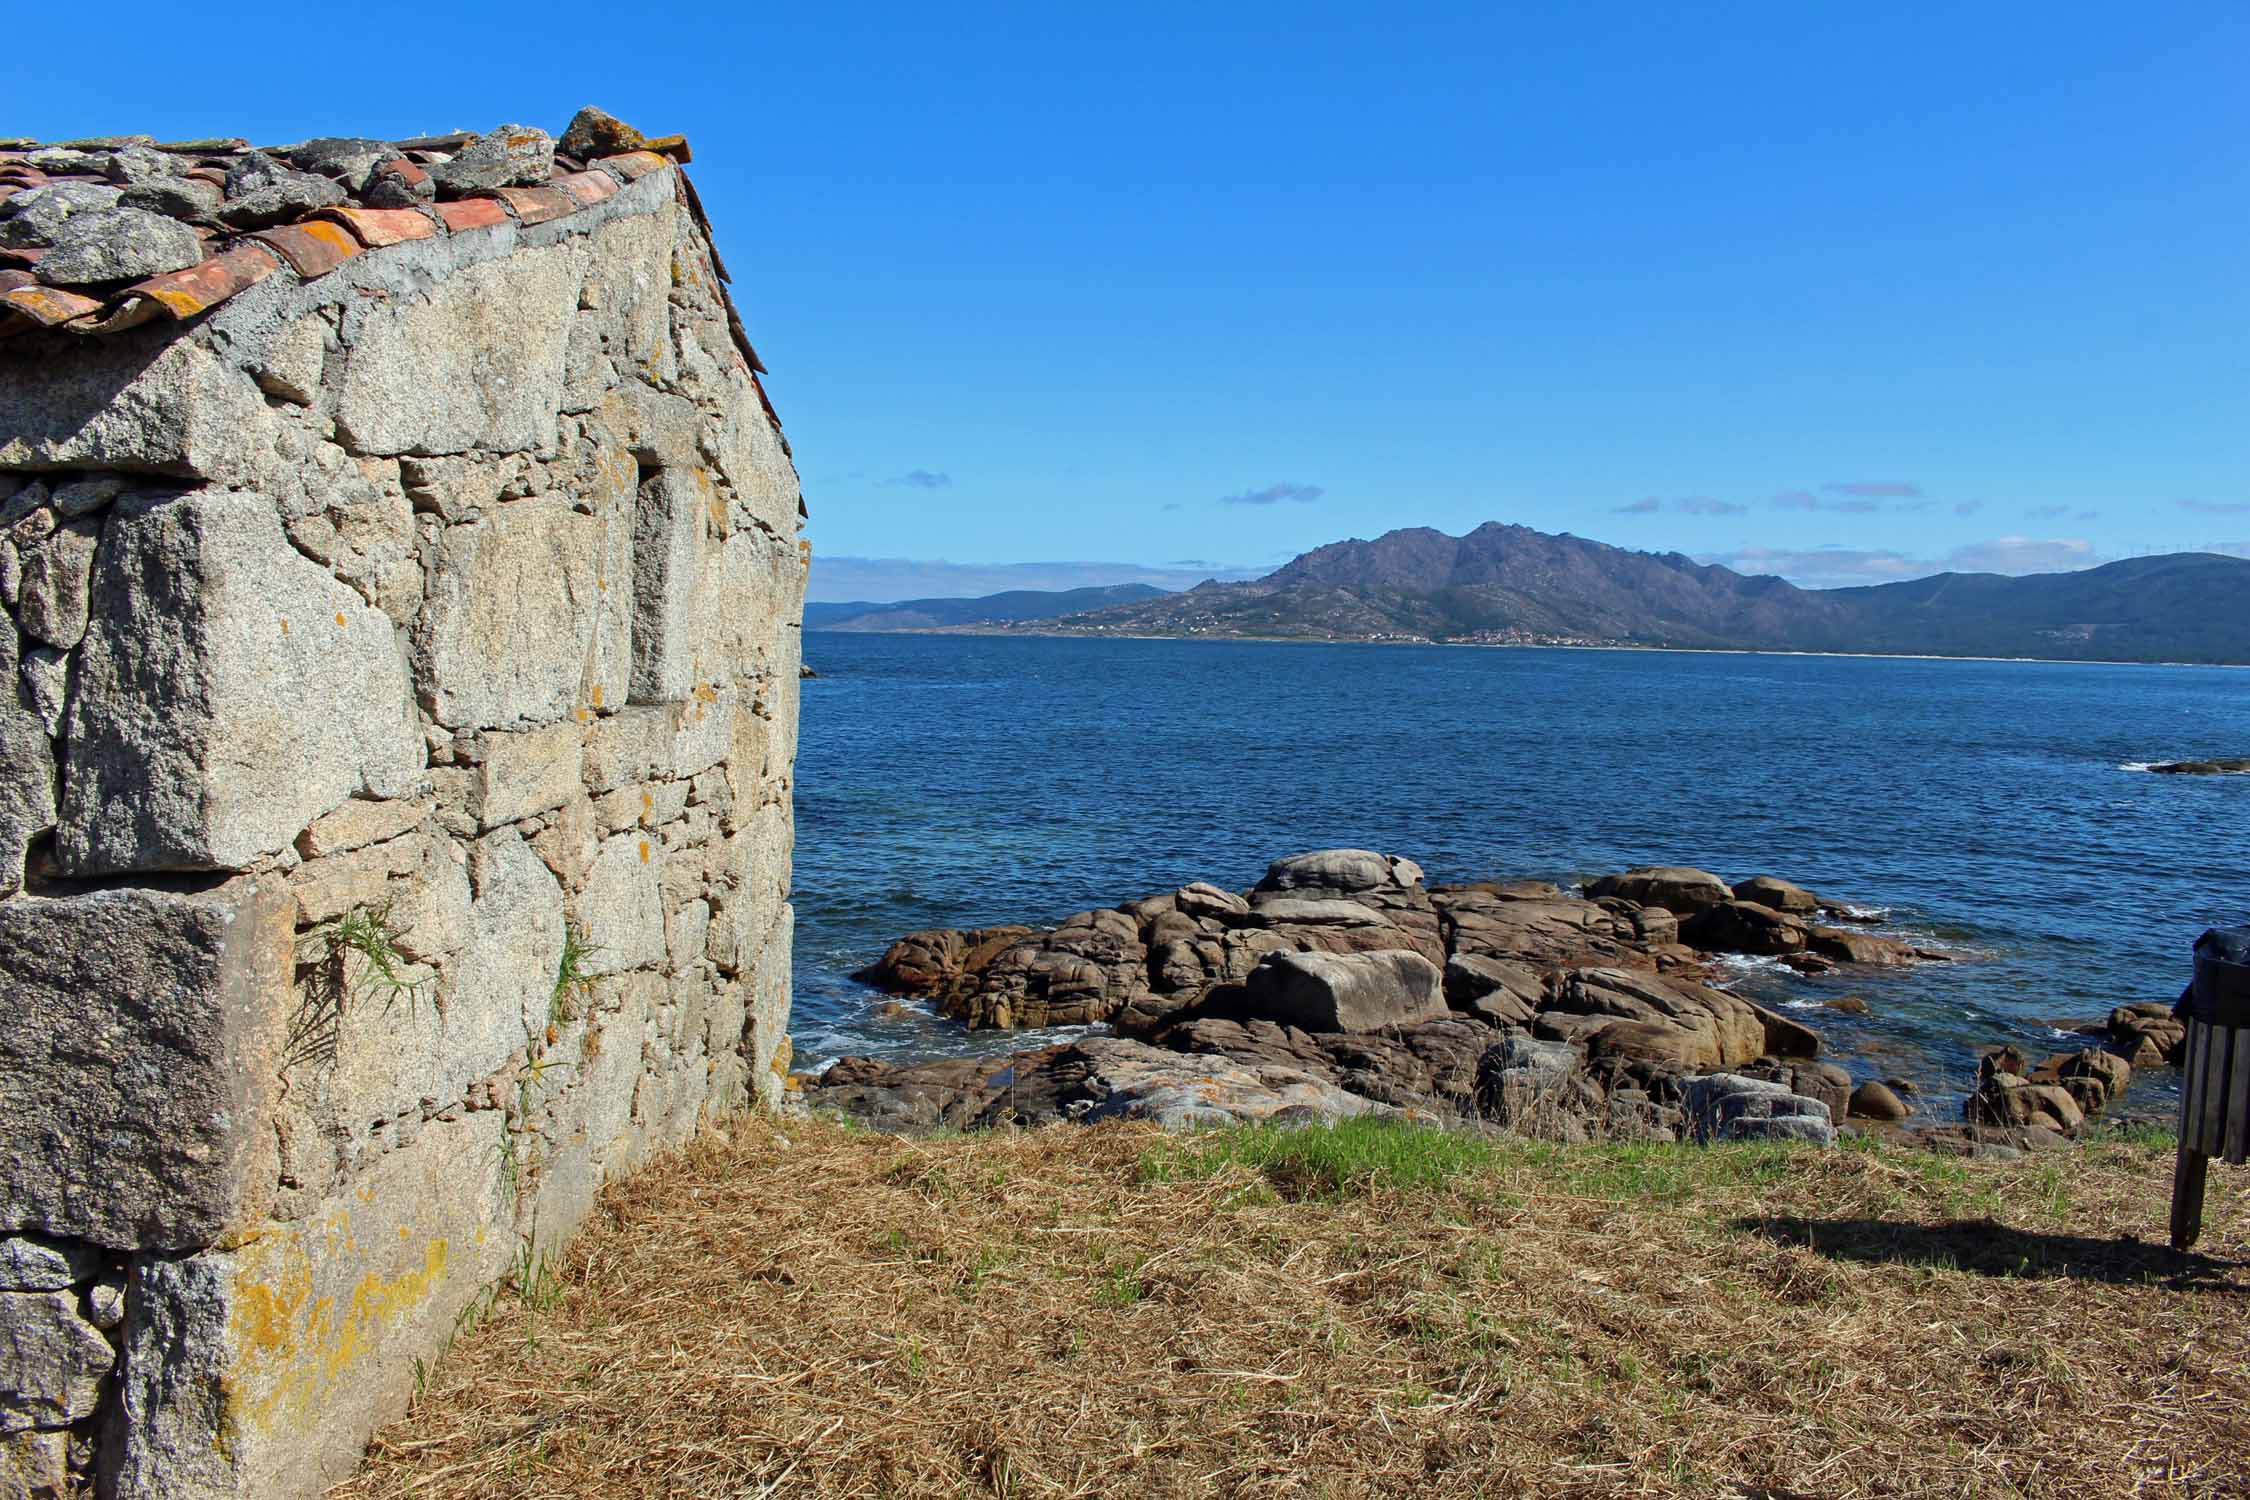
x,y
1687,505
1841,567
919,479
1274,494
1876,489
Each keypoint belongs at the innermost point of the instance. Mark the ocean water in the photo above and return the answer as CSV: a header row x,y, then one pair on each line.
x,y
1995,809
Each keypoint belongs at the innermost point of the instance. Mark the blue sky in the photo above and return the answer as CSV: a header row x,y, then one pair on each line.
x,y
1840,291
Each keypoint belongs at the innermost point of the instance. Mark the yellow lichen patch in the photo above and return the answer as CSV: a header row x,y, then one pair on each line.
x,y
291,1347
597,695
644,851
340,618
285,626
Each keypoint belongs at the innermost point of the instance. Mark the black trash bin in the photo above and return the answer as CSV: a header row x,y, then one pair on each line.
x,y
2214,1072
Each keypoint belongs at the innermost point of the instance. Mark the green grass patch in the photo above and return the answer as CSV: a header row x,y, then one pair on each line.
x,y
1344,1159
1667,1173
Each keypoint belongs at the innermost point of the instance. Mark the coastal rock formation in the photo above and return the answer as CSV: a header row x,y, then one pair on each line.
x,y
2233,766
1100,1078
2061,1094
1509,1000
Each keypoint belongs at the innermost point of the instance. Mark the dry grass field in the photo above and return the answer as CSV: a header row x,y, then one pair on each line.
x,y
1372,1310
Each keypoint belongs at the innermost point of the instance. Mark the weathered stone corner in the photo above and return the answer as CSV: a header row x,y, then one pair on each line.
x,y
397,729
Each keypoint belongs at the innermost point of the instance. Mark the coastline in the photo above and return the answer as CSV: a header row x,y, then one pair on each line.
x,y
1289,640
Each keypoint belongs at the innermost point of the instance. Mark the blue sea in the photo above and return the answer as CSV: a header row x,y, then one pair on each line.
x,y
1998,810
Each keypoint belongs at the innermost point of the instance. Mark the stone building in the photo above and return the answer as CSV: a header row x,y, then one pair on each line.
x,y
403,578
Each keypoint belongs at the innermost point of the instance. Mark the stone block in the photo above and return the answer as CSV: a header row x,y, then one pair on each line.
x,y
628,282
52,1361
229,692
144,402
675,583
702,732
29,1263
476,362
46,686
751,456
430,909
35,1465
751,880
327,888
361,822
261,1370
533,771
627,747
138,1057
377,1054
621,911
588,1132
570,841
290,367
527,618
57,574
686,935
27,769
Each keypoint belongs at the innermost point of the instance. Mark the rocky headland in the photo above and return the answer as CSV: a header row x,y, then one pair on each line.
x,y
1343,984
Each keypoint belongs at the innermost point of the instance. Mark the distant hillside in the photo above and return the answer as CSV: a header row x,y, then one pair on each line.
x,y
1512,584
991,609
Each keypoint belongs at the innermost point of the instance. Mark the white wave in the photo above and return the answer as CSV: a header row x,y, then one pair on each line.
x,y
1735,967
2136,765
1862,913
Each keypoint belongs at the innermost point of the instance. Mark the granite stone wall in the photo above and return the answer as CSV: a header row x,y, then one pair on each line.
x,y
395,752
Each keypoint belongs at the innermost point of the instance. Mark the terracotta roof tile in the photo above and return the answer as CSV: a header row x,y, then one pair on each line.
x,y
471,213
536,205
377,227
185,294
634,165
375,215
589,188
312,249
50,305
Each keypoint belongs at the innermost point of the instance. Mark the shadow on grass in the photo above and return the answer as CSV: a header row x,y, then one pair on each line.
x,y
1987,1248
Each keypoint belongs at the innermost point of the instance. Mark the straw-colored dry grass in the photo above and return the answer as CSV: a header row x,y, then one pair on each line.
x,y
814,1310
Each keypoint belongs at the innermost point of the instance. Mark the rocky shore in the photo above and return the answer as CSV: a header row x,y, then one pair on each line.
x,y
1343,984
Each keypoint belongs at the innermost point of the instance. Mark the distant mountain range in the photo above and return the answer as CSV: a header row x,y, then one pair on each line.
x,y
1510,584
992,609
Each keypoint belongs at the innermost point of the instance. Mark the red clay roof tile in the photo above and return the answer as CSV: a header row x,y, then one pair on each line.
x,y
49,305
184,294
312,249
471,213
377,227
634,165
589,188
536,205
321,242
